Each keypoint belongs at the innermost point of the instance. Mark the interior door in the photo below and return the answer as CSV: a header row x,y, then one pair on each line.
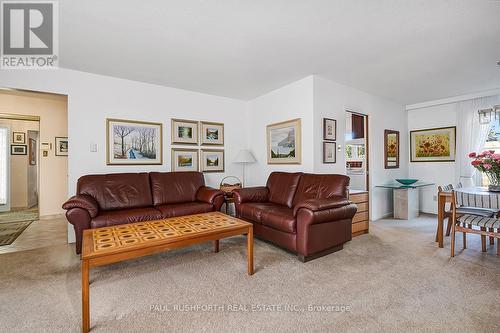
x,y
4,169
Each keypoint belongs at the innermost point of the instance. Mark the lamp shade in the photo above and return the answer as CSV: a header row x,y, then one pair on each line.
x,y
244,156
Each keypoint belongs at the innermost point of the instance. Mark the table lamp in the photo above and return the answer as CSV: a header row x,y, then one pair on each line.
x,y
244,157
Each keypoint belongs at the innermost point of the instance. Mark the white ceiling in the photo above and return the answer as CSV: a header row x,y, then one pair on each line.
x,y
409,51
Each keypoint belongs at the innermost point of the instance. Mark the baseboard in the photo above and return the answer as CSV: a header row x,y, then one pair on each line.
x,y
50,217
383,216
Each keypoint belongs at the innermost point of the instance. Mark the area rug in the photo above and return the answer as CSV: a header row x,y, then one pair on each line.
x,y
11,230
19,215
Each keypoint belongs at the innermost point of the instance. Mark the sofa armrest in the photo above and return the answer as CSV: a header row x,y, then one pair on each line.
x,y
321,204
208,194
251,194
82,201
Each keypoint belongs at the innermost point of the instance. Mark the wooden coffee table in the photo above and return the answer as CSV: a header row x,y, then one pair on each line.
x,y
108,245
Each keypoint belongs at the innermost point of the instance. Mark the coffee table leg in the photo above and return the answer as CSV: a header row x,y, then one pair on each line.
x,y
250,250
85,297
216,245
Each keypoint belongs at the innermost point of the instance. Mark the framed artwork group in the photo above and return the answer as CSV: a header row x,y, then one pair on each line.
x,y
131,142
329,138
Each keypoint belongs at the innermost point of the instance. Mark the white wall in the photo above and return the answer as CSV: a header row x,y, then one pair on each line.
x,y
93,98
289,102
331,100
440,173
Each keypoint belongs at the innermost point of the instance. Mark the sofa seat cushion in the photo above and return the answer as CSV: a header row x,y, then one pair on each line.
x,y
280,218
187,208
123,216
253,211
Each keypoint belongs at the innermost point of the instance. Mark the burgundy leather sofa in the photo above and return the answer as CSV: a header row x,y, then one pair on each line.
x,y
112,199
308,214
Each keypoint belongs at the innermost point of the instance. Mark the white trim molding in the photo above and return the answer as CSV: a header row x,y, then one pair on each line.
x,y
455,99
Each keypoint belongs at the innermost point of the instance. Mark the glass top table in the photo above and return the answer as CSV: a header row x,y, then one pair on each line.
x,y
396,185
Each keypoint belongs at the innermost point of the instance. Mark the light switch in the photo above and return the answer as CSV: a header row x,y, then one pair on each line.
x,y
93,147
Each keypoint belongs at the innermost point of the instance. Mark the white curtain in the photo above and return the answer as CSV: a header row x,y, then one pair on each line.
x,y
471,135
4,142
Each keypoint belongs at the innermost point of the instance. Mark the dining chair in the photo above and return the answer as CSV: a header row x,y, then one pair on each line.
x,y
446,213
473,222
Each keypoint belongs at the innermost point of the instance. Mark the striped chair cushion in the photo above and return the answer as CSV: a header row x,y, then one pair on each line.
x,y
479,221
447,188
491,201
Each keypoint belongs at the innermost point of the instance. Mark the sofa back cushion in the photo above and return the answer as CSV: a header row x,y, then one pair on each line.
x,y
117,190
282,187
175,187
318,186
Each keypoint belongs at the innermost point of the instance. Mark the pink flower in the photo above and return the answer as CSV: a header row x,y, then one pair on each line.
x,y
476,163
487,166
472,155
487,152
496,156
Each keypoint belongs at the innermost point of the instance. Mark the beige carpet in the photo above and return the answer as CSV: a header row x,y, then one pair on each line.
x,y
395,279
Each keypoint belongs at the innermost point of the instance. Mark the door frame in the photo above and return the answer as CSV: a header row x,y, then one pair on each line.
x,y
367,145
6,207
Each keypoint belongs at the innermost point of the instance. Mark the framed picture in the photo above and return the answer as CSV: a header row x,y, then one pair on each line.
x,y
433,145
284,142
133,142
184,132
212,133
329,129
18,150
61,146
212,160
329,152
32,151
184,159
18,137
391,149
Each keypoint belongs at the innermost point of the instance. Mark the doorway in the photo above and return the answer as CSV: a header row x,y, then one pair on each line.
x,y
356,150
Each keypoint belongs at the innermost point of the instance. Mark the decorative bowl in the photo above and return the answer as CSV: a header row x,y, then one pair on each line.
x,y
406,181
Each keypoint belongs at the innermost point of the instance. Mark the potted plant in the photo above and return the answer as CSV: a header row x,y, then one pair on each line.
x,y
488,163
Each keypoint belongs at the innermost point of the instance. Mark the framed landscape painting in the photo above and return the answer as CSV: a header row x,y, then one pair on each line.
x,y
212,160
133,142
61,146
284,142
184,159
391,149
433,145
184,132
212,133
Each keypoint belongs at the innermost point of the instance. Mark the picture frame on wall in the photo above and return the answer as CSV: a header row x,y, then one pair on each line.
x,y
433,145
391,149
212,133
61,144
18,137
18,150
184,132
32,151
185,159
329,152
212,160
329,129
284,142
132,142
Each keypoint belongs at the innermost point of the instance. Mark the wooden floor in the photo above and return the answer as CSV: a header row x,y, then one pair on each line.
x,y
40,233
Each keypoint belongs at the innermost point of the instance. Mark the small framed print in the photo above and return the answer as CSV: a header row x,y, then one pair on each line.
x,y
18,137
32,151
212,133
212,160
184,132
61,146
329,152
184,159
18,150
329,129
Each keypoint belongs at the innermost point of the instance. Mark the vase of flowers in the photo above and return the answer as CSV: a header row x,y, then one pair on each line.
x,y
488,163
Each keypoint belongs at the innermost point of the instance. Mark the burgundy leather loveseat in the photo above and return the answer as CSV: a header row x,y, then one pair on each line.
x,y
111,199
308,214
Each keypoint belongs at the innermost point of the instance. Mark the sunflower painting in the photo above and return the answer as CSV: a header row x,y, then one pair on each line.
x,y
433,145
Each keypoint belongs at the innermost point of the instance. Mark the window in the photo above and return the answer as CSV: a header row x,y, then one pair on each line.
x,y
492,143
